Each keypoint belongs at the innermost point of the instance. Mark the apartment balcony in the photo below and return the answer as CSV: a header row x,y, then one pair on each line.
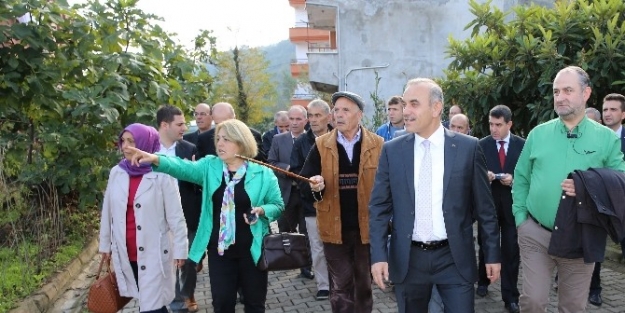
x,y
297,3
299,68
321,16
307,34
302,99
322,71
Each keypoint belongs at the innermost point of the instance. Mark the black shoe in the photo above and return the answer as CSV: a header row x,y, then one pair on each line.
x,y
513,307
322,295
595,299
306,273
482,291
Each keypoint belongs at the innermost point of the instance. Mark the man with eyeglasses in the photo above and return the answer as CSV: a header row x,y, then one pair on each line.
x,y
203,121
541,188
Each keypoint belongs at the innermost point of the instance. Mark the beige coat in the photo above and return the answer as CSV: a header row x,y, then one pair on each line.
x,y
161,235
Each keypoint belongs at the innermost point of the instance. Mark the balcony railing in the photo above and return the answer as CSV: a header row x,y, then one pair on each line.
x,y
307,34
298,69
304,96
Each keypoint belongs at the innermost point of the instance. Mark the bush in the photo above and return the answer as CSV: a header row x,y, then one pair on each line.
x,y
512,58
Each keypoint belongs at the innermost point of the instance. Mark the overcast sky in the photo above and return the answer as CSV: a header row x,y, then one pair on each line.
x,y
251,22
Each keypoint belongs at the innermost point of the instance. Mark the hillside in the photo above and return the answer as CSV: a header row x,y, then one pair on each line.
x,y
279,56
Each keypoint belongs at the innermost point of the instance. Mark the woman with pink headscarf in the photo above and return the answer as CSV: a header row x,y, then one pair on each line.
x,y
142,226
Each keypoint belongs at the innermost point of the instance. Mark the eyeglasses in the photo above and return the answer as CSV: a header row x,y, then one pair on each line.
x,y
200,114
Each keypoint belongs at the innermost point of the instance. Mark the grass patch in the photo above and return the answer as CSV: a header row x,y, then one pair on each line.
x,y
18,278
23,272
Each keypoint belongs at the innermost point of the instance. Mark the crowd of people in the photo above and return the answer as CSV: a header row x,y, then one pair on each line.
x,y
395,207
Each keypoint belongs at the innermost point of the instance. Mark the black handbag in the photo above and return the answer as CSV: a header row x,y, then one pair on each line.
x,y
284,251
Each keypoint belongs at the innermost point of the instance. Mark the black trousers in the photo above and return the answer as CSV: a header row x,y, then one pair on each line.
x,y
595,282
227,274
434,267
510,261
292,218
135,272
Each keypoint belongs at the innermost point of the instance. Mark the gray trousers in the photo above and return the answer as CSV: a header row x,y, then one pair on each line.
x,y
573,274
320,266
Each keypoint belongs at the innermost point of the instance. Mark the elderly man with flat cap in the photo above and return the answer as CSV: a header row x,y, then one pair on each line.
x,y
342,163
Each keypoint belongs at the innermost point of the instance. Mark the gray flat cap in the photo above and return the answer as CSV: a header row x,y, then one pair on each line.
x,y
351,96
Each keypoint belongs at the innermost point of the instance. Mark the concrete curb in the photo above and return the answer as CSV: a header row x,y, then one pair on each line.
x,y
43,299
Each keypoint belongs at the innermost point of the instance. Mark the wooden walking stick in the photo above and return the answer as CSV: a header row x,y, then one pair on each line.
x,y
277,169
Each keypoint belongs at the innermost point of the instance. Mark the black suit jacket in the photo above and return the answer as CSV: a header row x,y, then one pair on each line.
x,y
502,195
206,144
465,189
267,139
192,137
190,194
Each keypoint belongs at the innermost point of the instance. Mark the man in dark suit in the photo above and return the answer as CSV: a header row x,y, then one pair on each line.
x,y
502,149
206,141
171,127
433,183
280,156
280,125
613,115
203,120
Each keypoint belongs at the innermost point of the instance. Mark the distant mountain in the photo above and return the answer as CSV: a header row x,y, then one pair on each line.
x,y
280,56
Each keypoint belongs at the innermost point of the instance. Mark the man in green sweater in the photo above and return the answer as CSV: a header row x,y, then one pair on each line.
x,y
553,150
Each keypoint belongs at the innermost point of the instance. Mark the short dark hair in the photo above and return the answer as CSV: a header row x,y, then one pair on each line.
x,y
616,97
500,111
395,100
166,113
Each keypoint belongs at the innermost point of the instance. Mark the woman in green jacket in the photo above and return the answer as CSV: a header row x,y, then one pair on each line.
x,y
240,199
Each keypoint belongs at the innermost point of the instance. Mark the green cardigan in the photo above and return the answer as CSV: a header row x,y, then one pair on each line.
x,y
261,186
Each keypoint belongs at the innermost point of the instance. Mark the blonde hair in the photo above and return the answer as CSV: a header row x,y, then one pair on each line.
x,y
237,132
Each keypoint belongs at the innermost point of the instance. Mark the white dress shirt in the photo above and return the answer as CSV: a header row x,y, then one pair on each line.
x,y
171,151
619,131
505,145
437,151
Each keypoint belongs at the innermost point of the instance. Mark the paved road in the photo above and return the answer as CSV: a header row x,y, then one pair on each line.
x,y
289,293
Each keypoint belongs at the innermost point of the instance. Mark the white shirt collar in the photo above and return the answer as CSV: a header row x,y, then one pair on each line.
x,y
507,139
355,139
172,148
619,131
437,138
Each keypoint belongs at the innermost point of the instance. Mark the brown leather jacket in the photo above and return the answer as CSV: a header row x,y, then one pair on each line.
x,y
329,209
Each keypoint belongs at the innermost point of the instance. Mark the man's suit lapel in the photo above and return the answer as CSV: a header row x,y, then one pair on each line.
x,y
513,150
407,153
451,150
179,150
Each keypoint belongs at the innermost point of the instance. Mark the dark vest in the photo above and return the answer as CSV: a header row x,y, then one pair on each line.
x,y
348,187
